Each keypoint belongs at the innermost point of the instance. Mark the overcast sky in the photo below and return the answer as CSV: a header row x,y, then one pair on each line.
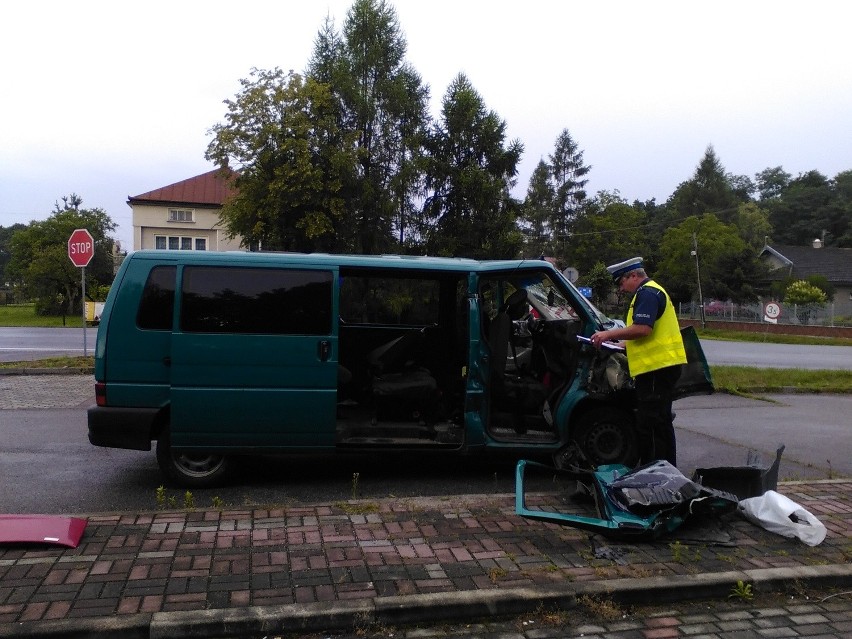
x,y
111,99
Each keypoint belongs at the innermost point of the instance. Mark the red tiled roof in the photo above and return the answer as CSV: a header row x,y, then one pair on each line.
x,y
209,189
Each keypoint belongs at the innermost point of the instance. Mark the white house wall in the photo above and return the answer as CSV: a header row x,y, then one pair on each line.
x,y
150,221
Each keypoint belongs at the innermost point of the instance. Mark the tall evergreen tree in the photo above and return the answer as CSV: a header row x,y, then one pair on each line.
x,y
536,213
384,101
708,191
567,172
469,210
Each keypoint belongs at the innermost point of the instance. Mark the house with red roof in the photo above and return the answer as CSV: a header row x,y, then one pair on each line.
x,y
184,215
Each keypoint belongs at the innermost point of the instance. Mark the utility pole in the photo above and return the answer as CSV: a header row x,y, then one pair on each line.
x,y
698,276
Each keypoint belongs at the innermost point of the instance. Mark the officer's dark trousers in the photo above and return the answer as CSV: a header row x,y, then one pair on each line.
x,y
654,429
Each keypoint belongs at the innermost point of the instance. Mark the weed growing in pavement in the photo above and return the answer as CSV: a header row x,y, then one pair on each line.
x,y
545,617
677,549
496,573
600,608
365,508
172,502
355,478
161,497
217,502
188,501
366,626
742,591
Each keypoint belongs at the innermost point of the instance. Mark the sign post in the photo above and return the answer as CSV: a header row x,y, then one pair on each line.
x,y
81,250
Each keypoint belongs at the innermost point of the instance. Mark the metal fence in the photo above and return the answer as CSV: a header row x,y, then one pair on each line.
x,y
797,314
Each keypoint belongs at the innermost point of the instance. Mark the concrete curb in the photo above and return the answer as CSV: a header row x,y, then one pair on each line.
x,y
427,608
84,370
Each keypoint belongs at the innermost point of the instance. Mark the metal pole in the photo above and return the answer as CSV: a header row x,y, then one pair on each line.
x,y
85,346
698,276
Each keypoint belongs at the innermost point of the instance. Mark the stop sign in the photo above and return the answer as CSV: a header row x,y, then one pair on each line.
x,y
81,247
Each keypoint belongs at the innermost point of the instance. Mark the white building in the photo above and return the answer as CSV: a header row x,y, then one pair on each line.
x,y
183,215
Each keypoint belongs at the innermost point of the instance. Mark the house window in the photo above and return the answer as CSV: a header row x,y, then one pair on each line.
x,y
180,243
180,215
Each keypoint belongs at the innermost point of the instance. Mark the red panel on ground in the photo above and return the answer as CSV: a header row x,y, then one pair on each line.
x,y
41,529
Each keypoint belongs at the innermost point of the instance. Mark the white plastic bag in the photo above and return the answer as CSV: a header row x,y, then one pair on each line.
x,y
779,514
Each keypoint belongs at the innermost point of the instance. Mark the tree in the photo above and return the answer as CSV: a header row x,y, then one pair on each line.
x,y
6,234
771,182
383,102
801,212
805,298
608,230
469,211
536,213
708,191
753,224
293,161
600,281
39,263
722,255
567,172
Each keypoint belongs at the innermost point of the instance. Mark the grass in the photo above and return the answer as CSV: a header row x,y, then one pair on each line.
x,y
746,379
24,315
53,362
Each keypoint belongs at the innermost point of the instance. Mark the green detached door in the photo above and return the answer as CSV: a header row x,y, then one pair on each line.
x,y
254,358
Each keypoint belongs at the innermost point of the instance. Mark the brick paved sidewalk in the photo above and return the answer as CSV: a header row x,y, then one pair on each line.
x,y
133,567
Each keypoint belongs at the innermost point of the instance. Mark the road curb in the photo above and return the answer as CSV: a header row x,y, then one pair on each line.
x,y
426,608
85,370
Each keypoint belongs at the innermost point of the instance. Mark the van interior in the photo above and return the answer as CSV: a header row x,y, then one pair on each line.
x,y
406,358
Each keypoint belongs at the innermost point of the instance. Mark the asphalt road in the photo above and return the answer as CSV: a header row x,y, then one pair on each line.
x,y
47,464
26,344
23,344
762,355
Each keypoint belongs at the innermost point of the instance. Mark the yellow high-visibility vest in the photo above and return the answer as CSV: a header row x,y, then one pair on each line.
x,y
662,348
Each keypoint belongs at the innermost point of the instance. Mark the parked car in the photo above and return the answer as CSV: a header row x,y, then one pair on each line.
x,y
715,307
212,355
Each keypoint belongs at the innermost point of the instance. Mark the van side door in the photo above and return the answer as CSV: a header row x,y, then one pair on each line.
x,y
254,357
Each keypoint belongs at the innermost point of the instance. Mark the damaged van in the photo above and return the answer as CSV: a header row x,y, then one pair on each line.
x,y
215,355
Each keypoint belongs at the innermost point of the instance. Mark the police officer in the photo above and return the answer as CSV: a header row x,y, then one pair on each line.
x,y
655,354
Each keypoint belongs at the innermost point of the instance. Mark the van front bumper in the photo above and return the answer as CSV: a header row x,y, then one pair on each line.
x,y
119,427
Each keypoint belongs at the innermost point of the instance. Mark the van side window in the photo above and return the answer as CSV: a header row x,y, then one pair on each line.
x,y
393,301
256,300
158,300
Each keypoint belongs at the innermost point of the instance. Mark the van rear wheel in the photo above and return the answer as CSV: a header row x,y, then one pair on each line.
x,y
190,469
607,435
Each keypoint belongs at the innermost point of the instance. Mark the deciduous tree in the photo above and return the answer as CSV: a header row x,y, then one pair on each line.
x,y
39,261
293,163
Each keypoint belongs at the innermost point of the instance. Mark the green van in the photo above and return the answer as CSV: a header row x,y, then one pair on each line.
x,y
214,355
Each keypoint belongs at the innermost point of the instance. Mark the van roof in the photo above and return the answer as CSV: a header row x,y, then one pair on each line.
x,y
328,259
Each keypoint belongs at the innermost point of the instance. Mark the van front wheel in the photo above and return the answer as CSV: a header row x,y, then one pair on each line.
x,y
192,470
607,435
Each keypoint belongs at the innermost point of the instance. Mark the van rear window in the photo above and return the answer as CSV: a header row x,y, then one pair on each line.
x,y
157,304
256,300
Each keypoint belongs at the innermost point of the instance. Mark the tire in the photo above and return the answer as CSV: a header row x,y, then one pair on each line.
x,y
190,470
607,435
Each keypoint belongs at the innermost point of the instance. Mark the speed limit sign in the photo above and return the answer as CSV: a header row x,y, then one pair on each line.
x,y
771,312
